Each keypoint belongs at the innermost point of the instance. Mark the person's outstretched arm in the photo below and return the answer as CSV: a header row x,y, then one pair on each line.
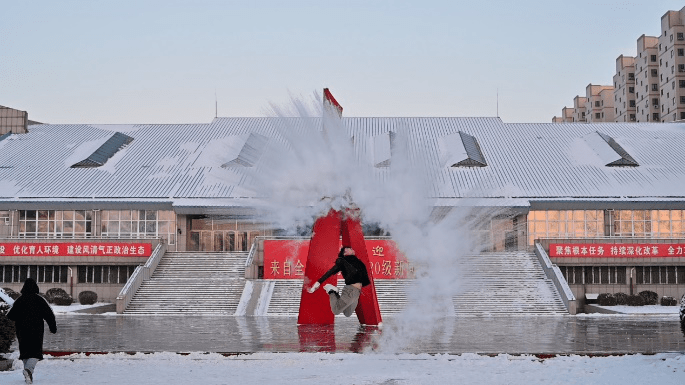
x,y
334,270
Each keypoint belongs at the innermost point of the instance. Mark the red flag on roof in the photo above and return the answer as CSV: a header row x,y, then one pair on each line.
x,y
329,101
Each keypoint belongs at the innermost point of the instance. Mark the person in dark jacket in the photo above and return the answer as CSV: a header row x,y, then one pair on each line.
x,y
28,313
354,272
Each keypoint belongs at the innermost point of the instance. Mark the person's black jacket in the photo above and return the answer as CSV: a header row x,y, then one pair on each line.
x,y
352,269
28,313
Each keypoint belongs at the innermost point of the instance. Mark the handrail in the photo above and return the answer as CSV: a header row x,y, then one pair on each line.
x,y
552,271
253,251
140,275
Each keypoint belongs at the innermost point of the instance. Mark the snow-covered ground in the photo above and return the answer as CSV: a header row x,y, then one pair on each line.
x,y
351,368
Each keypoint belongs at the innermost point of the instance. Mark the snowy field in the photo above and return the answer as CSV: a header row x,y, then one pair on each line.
x,y
350,368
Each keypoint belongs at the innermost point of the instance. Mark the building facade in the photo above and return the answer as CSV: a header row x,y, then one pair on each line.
x,y
646,79
624,90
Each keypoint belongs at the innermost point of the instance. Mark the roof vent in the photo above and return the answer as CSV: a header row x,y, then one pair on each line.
x,y
250,152
104,152
461,150
611,153
382,149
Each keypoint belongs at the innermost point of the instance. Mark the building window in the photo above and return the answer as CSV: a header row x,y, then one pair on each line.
x,y
655,116
681,83
654,73
139,224
41,273
682,116
655,87
655,102
631,103
596,103
597,275
631,90
597,115
660,275
104,274
632,117
652,58
680,36
631,76
55,224
565,224
681,52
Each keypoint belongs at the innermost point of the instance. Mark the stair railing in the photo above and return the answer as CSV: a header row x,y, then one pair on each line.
x,y
140,275
552,271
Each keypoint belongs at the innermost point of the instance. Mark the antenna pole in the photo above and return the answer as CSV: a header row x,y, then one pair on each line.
x,y
498,102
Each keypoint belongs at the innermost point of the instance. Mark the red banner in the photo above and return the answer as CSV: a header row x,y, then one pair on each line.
x,y
91,249
286,259
616,250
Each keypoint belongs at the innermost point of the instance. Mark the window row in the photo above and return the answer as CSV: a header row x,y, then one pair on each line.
x,y
41,273
104,273
620,275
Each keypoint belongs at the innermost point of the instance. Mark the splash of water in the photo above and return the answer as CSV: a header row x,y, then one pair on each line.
x,y
314,166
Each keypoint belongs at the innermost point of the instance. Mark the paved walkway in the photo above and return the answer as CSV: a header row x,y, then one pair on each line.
x,y
535,335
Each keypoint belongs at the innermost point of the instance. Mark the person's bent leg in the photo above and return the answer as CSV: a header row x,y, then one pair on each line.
x,y
353,293
347,297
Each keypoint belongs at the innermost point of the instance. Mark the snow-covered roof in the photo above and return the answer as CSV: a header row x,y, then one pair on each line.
x,y
183,162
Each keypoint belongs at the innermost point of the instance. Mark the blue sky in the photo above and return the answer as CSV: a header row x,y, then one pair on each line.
x,y
163,61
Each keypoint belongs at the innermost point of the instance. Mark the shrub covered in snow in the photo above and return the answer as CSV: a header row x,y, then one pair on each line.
x,y
606,299
650,297
635,300
7,332
668,301
13,294
55,292
621,298
63,300
87,297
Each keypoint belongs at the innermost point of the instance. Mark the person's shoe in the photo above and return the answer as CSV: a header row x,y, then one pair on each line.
x,y
330,288
28,376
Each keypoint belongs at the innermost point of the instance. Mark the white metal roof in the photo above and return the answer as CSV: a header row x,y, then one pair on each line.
x,y
183,162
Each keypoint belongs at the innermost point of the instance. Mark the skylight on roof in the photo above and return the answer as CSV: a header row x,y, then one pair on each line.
x,y
250,152
460,150
104,152
382,149
611,153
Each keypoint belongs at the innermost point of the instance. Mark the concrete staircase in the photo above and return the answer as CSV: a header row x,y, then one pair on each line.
x,y
192,283
506,284
493,284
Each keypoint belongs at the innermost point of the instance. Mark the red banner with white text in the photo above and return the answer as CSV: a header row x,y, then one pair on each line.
x,y
90,249
616,250
286,259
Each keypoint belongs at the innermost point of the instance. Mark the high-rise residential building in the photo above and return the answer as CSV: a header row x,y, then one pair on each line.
x,y
646,80
600,103
672,66
624,89
579,111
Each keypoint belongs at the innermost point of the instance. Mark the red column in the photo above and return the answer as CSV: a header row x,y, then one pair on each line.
x,y
367,310
323,251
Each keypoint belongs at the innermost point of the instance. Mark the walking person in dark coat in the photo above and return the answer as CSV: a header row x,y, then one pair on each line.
x,y
354,272
28,313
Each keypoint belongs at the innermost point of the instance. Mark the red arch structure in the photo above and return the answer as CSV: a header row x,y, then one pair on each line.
x,y
323,250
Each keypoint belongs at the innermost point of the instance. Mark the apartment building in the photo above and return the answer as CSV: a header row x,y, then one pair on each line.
x,y
13,121
646,80
672,66
566,116
600,103
579,110
624,89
